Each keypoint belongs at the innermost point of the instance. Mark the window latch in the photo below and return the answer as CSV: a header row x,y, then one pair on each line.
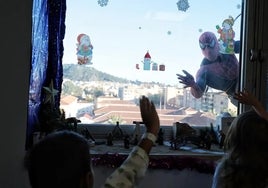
x,y
256,55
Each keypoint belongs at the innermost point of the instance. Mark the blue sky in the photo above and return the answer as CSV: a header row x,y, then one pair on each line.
x,y
124,30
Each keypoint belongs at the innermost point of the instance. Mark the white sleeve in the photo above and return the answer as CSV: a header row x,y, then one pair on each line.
x,y
130,172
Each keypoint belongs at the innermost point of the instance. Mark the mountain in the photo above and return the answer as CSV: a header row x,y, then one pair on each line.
x,y
87,73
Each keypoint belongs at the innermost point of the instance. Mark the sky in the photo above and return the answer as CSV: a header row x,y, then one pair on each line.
x,y
124,30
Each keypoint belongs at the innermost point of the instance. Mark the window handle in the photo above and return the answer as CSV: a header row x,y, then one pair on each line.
x,y
256,55
253,55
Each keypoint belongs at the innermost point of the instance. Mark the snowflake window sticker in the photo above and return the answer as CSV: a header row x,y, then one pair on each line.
x,y
183,5
102,3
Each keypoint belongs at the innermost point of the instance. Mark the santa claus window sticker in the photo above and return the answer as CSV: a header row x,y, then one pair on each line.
x,y
84,50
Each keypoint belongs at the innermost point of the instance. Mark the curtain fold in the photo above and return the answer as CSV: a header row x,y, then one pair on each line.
x,y
56,16
48,30
38,64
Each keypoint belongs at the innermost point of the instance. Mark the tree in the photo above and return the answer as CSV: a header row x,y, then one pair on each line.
x,y
113,119
69,88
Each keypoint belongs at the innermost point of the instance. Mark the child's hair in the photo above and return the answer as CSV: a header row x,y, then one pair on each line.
x,y
246,143
248,132
59,160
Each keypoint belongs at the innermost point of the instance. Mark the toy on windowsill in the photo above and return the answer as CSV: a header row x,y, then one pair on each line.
x,y
185,135
160,137
136,135
72,123
110,139
135,140
222,139
87,134
126,142
53,119
117,132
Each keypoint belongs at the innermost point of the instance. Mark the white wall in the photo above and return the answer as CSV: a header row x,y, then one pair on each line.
x,y
15,33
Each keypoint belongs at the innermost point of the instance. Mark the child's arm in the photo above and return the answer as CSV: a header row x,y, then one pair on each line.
x,y
248,98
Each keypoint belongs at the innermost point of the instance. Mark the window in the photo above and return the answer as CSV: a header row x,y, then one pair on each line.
x,y
85,98
124,37
254,66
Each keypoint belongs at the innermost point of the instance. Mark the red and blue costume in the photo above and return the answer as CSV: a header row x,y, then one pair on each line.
x,y
217,70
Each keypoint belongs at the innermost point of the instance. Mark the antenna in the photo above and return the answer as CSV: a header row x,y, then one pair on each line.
x,y
237,17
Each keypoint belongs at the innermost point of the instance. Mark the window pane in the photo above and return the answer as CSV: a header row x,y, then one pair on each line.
x,y
137,48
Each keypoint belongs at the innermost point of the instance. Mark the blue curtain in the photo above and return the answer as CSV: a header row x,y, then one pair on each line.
x,y
48,30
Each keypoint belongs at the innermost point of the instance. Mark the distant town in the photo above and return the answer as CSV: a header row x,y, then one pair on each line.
x,y
110,101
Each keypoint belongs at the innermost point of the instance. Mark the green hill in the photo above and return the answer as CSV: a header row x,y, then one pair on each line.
x,y
77,72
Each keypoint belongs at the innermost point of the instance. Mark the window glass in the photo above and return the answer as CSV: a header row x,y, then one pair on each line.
x,y
117,50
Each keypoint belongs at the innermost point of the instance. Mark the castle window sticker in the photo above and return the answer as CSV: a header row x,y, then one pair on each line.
x,y
149,65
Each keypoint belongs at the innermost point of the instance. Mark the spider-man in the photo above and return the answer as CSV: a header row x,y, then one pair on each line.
x,y
217,70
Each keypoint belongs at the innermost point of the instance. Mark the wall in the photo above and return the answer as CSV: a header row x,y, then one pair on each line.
x,y
162,178
15,21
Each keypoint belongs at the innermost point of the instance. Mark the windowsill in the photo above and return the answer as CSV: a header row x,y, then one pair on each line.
x,y
100,132
157,150
162,157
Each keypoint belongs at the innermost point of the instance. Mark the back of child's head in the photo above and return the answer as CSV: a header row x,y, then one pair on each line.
x,y
248,135
59,160
246,161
